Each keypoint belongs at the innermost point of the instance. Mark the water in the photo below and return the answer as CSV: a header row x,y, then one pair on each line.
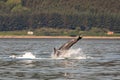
x,y
30,59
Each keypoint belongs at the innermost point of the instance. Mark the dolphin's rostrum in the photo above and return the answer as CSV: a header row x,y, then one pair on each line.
x,y
65,47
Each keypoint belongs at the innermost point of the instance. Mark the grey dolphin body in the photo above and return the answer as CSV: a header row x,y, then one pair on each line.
x,y
65,47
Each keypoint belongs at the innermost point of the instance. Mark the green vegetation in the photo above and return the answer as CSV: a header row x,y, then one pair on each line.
x,y
54,17
57,32
11,33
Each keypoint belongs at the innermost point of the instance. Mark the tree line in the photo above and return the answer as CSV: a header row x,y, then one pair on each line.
x,y
68,14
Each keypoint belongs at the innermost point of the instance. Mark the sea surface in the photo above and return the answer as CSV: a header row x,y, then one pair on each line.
x,y
30,59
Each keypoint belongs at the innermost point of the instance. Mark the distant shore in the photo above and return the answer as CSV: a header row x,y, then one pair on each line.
x,y
84,37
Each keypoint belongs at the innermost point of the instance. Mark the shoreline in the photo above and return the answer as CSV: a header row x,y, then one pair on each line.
x,y
64,37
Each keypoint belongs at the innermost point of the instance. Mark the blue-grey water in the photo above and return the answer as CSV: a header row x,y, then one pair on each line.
x,y
98,60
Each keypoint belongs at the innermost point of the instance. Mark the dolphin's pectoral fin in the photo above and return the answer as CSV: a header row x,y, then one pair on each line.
x,y
54,49
56,52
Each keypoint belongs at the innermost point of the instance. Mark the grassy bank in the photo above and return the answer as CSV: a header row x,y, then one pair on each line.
x,y
56,32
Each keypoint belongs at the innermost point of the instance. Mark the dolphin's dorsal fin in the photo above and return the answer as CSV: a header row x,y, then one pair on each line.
x,y
67,45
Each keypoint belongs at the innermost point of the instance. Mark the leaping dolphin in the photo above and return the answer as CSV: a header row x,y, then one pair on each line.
x,y
65,47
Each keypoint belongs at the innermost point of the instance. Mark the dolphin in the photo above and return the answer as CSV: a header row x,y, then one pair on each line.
x,y
65,47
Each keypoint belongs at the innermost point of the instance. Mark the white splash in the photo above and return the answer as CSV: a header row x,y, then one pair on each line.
x,y
27,55
73,54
